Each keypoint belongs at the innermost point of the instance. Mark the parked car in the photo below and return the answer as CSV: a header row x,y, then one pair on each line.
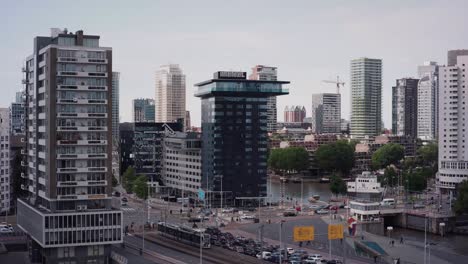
x,y
265,255
5,230
247,217
418,206
315,257
290,250
290,212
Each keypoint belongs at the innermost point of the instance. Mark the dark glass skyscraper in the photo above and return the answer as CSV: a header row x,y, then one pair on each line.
x,y
234,133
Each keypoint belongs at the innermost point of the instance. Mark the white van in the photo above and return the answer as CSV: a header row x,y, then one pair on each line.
x,y
387,202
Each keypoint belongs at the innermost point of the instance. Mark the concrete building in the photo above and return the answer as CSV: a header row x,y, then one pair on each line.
x,y
294,114
181,165
68,214
405,107
126,137
170,93
428,101
326,113
453,131
267,73
17,117
5,170
234,133
366,97
345,126
143,110
115,124
187,121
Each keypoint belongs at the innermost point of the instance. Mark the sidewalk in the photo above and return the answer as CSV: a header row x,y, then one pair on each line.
x,y
408,252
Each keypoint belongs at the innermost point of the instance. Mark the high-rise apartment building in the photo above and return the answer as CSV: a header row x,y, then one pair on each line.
x,y
453,123
68,214
187,121
143,110
5,180
405,107
267,73
294,114
366,97
115,105
181,162
428,101
326,113
234,133
170,93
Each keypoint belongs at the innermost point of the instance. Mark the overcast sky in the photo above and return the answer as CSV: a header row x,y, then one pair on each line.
x,y
308,41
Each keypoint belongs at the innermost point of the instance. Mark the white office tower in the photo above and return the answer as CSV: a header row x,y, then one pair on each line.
x,y
366,97
427,116
453,124
326,113
267,73
5,170
170,93
67,213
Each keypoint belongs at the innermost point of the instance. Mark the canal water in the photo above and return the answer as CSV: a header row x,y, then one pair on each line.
x,y
292,191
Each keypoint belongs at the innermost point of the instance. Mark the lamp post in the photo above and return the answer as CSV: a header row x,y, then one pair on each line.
x,y
280,237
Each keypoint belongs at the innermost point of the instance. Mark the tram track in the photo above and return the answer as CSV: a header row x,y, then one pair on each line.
x,y
214,255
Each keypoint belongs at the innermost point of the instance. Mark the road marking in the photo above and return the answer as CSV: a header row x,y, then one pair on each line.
x,y
128,209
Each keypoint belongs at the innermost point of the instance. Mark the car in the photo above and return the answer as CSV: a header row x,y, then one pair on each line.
x,y
290,250
239,249
290,212
322,211
265,255
295,261
227,210
334,261
124,199
309,261
247,217
418,206
5,230
315,257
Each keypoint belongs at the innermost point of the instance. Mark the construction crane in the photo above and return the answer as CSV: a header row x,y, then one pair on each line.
x,y
337,82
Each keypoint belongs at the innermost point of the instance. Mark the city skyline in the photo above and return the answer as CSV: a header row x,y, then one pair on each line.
x,y
187,42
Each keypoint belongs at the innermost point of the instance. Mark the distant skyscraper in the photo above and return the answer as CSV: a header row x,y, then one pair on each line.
x,y
170,93
68,214
453,131
5,171
143,110
366,97
326,113
267,73
404,107
187,121
234,133
428,101
294,114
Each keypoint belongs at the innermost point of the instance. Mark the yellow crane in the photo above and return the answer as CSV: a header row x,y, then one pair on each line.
x,y
337,82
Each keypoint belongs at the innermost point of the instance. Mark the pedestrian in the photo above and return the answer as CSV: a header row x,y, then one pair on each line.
x,y
401,240
393,243
375,259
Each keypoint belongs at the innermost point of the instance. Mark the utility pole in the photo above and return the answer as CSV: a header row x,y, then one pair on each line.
x,y
201,247
280,232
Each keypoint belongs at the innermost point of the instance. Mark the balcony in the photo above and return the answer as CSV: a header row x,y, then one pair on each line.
x,y
82,156
81,183
82,142
81,101
81,87
83,115
81,170
81,196
82,128
82,60
82,74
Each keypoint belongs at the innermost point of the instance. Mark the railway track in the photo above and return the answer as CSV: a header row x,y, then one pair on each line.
x,y
214,255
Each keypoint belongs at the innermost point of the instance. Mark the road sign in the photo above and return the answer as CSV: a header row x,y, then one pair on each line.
x,y
303,233
201,194
335,231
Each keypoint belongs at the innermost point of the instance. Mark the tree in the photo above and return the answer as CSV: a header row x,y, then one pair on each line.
x,y
390,177
140,187
416,180
337,185
114,181
336,157
387,155
429,155
461,204
127,179
290,159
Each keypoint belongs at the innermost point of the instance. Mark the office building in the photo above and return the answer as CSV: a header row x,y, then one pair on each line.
x,y
294,114
5,180
146,149
115,105
68,214
453,131
181,166
17,118
366,97
234,133
428,101
170,93
326,113
405,107
143,110
345,126
267,73
126,136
